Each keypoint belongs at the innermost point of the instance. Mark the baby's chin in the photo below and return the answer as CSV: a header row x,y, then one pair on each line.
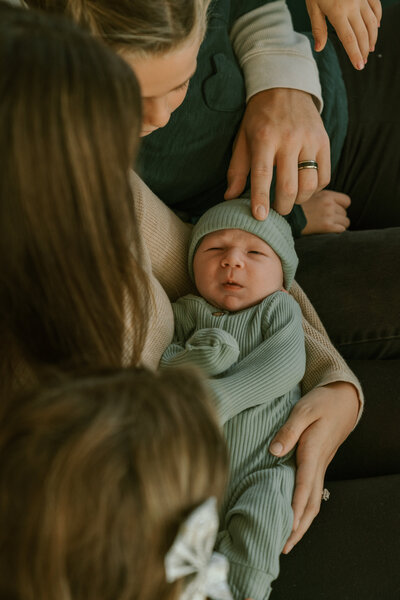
x,y
232,303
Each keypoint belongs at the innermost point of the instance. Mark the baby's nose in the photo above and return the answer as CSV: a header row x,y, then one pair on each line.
x,y
233,258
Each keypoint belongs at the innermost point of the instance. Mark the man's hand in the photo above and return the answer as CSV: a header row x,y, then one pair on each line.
x,y
319,424
280,127
356,23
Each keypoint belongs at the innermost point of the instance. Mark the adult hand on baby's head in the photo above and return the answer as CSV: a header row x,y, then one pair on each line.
x,y
319,423
356,23
280,127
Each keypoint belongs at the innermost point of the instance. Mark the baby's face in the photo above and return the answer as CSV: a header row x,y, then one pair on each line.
x,y
234,269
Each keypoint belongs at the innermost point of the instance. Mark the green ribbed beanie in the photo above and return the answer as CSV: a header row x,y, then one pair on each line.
x,y
236,214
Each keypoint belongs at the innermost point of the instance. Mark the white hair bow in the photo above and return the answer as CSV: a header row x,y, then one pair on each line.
x,y
191,556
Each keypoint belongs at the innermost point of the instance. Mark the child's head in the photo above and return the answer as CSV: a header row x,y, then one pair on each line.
x,y
96,477
235,260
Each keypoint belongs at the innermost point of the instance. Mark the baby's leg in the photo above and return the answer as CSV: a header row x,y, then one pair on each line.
x,y
256,516
257,524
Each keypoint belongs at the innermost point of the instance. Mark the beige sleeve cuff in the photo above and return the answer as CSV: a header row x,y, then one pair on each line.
x,y
271,54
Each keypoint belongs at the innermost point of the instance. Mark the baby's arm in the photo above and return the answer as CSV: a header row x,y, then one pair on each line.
x,y
213,350
356,23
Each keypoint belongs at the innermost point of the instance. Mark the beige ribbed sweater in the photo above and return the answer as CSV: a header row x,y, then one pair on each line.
x,y
165,243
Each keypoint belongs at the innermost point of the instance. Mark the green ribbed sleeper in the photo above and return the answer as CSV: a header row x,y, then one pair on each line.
x,y
258,354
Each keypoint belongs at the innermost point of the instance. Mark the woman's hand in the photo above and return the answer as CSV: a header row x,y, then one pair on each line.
x,y
326,212
319,423
280,127
356,22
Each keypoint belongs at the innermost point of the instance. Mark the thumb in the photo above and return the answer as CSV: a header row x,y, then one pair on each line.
x,y
319,28
289,434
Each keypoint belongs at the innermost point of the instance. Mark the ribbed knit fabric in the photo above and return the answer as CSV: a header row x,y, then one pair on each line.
x,y
236,214
256,358
256,516
268,337
165,242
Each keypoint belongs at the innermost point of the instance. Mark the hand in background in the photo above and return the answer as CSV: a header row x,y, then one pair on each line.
x,y
319,424
326,212
356,23
280,127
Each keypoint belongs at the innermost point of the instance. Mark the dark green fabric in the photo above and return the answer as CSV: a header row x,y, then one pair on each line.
x,y
185,162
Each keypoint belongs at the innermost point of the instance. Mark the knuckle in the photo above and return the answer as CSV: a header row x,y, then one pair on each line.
x,y
263,133
261,170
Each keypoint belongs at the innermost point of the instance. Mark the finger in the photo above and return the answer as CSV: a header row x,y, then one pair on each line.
x,y
361,33
308,184
289,434
342,200
238,169
261,171
376,6
341,222
341,217
338,227
339,211
318,27
371,24
307,468
311,511
323,159
287,182
350,43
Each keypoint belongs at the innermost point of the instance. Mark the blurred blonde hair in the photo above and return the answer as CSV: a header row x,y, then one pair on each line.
x,y
140,26
96,476
70,260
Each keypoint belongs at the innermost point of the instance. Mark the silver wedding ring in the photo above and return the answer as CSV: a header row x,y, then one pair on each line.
x,y
307,164
325,494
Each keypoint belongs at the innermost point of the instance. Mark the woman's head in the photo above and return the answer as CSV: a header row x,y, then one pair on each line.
x,y
96,476
70,117
160,40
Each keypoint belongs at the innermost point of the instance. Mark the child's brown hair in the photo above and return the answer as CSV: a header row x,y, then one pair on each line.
x,y
70,261
96,476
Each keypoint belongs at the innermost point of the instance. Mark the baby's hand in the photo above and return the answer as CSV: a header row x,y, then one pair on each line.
x,y
356,23
213,349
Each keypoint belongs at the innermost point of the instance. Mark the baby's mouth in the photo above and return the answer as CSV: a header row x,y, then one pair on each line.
x,y
232,285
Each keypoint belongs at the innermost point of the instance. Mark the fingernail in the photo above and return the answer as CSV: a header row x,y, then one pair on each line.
x,y
261,213
360,66
276,448
372,49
